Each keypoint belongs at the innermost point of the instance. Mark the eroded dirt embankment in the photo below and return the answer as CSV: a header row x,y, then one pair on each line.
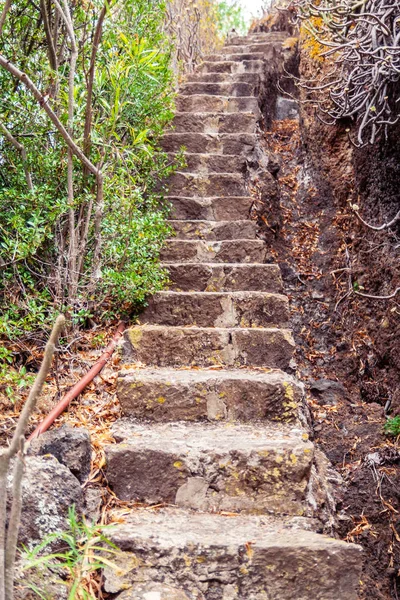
x,y
348,346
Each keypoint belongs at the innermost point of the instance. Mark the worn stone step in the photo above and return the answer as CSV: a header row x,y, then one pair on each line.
x,y
205,185
268,49
160,346
164,395
224,143
205,103
228,251
210,209
215,122
251,77
254,38
240,57
214,230
224,66
217,309
239,557
236,467
212,163
215,277
234,89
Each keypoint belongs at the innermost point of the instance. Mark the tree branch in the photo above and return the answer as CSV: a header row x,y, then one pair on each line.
x,y
9,137
23,77
4,14
90,81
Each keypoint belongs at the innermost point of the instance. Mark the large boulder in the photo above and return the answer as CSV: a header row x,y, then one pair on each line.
x,y
48,490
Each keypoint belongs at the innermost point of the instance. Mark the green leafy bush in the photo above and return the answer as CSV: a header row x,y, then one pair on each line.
x,y
67,242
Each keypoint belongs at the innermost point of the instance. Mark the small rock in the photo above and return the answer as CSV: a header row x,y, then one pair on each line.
x,y
327,391
192,493
48,490
71,447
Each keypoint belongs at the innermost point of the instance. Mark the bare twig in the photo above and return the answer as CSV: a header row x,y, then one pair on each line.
x,y
8,543
388,297
380,227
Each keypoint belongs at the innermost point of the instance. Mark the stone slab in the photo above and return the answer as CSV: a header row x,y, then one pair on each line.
x,y
215,122
163,395
251,77
224,143
238,467
214,230
233,89
206,185
212,163
224,66
214,277
160,346
197,251
217,309
233,558
205,103
222,208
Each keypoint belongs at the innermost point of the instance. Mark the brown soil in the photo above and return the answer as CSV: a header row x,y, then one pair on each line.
x,y
322,250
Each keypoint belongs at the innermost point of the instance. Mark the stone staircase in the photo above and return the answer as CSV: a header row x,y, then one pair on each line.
x,y
213,429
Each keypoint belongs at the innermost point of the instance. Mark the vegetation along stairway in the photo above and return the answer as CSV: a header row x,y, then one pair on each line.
x,y
213,428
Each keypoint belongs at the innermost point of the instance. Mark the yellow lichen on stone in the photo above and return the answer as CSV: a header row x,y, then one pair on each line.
x,y
135,336
289,392
293,459
178,464
161,400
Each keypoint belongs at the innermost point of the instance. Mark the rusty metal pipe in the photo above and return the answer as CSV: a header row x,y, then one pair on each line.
x,y
80,386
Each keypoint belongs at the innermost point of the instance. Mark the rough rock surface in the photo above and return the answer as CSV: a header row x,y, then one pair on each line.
x,y
71,447
48,490
186,395
233,558
251,468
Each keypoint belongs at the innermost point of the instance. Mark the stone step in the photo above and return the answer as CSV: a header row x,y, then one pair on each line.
x,y
235,90
217,309
160,346
228,251
194,185
251,77
254,38
236,467
215,122
234,66
268,49
232,557
249,56
163,395
215,277
214,163
205,103
214,230
224,143
210,209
